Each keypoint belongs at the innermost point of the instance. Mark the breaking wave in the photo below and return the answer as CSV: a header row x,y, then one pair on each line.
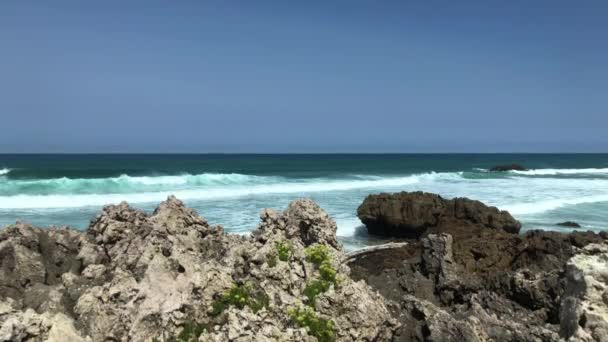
x,y
71,193
554,172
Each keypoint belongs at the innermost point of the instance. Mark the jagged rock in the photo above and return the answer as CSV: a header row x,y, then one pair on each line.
x,y
133,276
415,214
584,309
508,167
437,295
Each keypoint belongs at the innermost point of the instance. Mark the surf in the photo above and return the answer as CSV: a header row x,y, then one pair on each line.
x,y
554,172
206,187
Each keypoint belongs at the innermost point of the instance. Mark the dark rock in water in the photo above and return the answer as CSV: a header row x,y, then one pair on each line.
x,y
416,214
511,167
570,224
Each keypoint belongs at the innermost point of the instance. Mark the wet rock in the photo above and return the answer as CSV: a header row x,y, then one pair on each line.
x,y
508,167
569,224
416,214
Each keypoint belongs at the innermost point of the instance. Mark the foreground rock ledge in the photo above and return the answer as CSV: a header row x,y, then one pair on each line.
x,y
462,273
138,277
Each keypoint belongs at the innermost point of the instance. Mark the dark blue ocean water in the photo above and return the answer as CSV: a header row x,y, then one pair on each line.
x,y
232,189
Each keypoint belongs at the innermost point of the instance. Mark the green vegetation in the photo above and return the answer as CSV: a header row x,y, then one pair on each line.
x,y
322,329
271,259
190,333
314,288
240,296
328,273
192,330
284,250
319,256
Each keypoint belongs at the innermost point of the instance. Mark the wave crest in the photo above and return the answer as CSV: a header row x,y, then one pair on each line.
x,y
554,172
73,193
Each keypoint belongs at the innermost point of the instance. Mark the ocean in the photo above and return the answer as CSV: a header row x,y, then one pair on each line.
x,y
232,189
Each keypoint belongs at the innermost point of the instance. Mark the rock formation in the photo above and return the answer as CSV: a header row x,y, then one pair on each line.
x,y
461,278
508,167
415,214
569,224
138,277
171,276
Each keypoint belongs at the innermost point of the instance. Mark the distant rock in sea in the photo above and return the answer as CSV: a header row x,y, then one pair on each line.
x,y
511,167
570,224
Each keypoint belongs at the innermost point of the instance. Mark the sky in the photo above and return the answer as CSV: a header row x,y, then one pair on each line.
x,y
303,76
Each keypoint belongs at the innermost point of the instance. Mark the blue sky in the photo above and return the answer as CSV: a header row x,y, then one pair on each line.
x,y
307,76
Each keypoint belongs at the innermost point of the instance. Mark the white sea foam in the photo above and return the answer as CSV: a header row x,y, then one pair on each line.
x,y
553,172
222,187
4,171
543,206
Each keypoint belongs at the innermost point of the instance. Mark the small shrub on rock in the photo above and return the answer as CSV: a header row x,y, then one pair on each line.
x,y
271,260
327,271
284,250
240,296
190,333
192,330
320,328
317,254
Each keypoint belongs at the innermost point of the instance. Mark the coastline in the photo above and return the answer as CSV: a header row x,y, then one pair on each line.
x,y
140,276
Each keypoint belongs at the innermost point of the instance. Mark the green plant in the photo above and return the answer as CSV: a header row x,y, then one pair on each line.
x,y
284,250
327,271
314,288
191,331
240,296
320,257
322,329
271,259
317,254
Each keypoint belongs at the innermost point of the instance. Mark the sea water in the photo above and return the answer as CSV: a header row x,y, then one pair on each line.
x,y
231,190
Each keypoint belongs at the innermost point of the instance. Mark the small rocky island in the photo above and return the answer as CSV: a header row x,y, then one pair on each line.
x,y
463,273
508,167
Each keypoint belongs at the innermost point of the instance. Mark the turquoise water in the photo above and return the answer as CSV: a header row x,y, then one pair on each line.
x,y
232,189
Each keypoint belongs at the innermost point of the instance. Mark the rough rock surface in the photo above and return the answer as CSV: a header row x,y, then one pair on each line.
x,y
415,214
138,277
584,309
466,281
508,167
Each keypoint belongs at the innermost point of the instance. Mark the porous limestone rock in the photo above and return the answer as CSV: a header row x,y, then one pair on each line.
x,y
584,309
138,277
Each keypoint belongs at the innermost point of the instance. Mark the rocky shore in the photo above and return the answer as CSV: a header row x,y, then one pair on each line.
x,y
465,275
171,276
462,273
